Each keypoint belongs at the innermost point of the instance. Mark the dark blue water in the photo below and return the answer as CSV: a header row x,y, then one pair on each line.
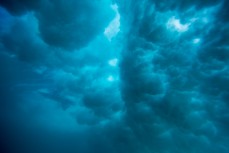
x,y
114,76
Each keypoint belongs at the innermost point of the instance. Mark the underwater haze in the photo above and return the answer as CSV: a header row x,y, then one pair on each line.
x,y
114,76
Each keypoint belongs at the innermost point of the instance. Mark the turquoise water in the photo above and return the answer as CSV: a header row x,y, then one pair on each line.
x,y
114,76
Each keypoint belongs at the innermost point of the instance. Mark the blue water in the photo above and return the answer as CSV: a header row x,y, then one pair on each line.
x,y
114,76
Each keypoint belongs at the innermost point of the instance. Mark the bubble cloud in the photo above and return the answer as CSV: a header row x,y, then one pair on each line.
x,y
114,76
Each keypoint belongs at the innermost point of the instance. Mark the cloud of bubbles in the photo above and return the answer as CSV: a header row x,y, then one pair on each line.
x,y
140,76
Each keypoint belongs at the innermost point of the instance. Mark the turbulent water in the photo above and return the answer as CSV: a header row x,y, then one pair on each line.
x,y
114,76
